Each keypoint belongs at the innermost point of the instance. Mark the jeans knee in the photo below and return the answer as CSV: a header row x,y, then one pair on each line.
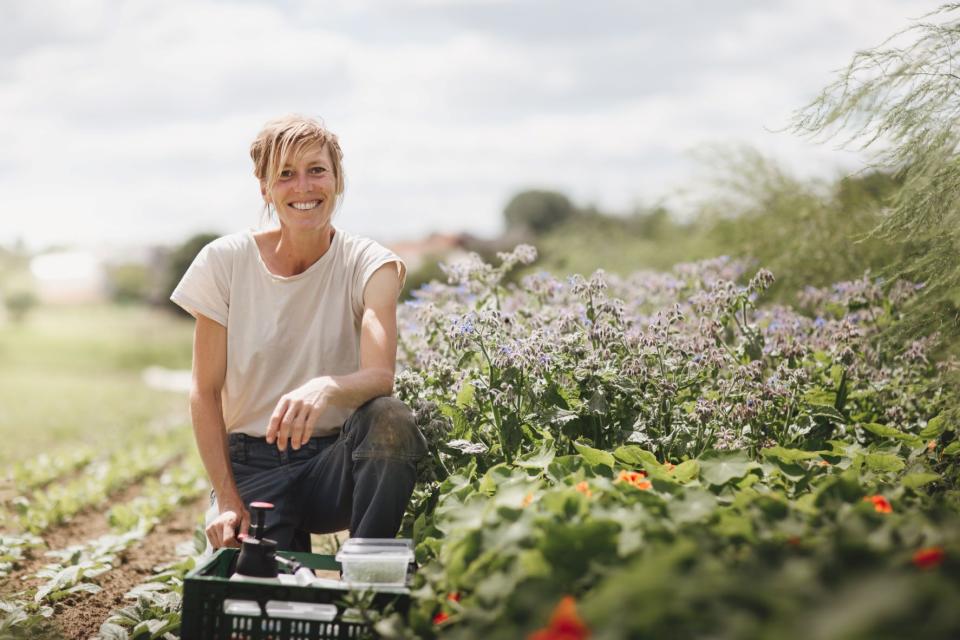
x,y
386,428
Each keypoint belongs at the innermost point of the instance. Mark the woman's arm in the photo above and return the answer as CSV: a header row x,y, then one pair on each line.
x,y
298,411
206,410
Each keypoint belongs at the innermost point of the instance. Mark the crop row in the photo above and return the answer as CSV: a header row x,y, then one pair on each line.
x,y
57,503
28,475
78,566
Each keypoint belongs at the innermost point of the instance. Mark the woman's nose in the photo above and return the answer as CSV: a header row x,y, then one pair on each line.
x,y
303,182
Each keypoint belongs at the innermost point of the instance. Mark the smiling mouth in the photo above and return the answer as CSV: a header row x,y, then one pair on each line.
x,y
306,206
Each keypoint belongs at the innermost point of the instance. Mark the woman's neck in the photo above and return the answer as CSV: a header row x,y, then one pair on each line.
x,y
289,254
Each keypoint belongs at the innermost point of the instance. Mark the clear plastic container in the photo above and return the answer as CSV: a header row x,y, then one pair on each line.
x,y
376,560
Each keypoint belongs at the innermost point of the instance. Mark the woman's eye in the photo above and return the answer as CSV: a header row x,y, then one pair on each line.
x,y
318,170
286,173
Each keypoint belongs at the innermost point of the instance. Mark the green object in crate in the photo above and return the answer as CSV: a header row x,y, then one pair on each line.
x,y
207,587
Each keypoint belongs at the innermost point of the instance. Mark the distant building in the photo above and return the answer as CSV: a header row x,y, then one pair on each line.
x,y
436,245
69,277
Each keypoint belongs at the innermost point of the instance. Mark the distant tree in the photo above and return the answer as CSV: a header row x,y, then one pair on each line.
x,y
902,99
538,211
181,258
129,283
19,303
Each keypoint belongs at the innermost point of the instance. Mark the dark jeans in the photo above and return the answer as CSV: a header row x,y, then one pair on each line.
x,y
360,479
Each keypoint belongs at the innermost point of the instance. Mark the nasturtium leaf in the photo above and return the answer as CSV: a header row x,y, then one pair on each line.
x,y
884,462
634,455
594,456
886,431
935,427
564,466
734,525
533,564
952,449
686,470
789,455
724,467
792,471
806,504
695,505
917,480
539,459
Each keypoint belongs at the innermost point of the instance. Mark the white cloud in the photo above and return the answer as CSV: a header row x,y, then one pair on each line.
x,y
131,121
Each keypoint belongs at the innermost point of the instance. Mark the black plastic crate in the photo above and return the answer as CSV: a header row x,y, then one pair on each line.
x,y
207,587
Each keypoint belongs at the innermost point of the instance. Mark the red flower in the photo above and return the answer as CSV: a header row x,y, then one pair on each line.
x,y
636,479
880,504
928,557
793,541
565,624
454,596
441,617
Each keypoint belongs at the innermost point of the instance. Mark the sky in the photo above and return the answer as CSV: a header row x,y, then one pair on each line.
x,y
128,122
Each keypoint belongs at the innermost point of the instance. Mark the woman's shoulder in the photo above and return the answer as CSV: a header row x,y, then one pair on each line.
x,y
355,245
228,247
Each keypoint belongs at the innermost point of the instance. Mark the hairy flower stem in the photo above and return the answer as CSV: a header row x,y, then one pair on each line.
x,y
497,420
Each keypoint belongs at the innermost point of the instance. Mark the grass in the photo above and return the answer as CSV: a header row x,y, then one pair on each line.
x,y
72,375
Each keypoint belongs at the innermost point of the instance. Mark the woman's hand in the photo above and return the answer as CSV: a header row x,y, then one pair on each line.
x,y
297,413
233,520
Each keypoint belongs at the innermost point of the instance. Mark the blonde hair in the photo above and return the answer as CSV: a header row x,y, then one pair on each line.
x,y
285,138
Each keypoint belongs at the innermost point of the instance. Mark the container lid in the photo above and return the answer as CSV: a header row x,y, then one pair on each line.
x,y
386,549
405,543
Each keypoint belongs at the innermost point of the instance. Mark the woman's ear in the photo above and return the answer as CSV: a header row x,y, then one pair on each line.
x,y
263,192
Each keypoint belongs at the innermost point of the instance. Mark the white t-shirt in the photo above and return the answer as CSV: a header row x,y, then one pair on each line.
x,y
282,331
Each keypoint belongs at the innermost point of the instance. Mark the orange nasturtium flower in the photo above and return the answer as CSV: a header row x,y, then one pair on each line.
x,y
824,463
636,479
931,445
880,504
928,557
527,500
441,617
583,488
564,624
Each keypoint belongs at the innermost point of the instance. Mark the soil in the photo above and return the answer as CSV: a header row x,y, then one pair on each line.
x,y
79,617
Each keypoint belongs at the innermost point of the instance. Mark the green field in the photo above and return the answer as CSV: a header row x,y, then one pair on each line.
x,y
73,374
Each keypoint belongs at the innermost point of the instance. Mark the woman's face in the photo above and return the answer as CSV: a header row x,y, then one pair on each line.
x,y
305,192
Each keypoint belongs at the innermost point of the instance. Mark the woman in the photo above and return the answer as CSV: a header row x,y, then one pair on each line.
x,y
293,359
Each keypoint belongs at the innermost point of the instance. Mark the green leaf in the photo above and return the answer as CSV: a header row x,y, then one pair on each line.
x,y
594,456
465,395
917,480
724,467
789,455
686,471
634,455
952,449
695,506
884,462
820,397
935,428
461,427
539,459
886,431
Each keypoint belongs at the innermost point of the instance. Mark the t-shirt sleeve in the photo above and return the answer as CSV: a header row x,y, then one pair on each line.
x,y
372,257
205,287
